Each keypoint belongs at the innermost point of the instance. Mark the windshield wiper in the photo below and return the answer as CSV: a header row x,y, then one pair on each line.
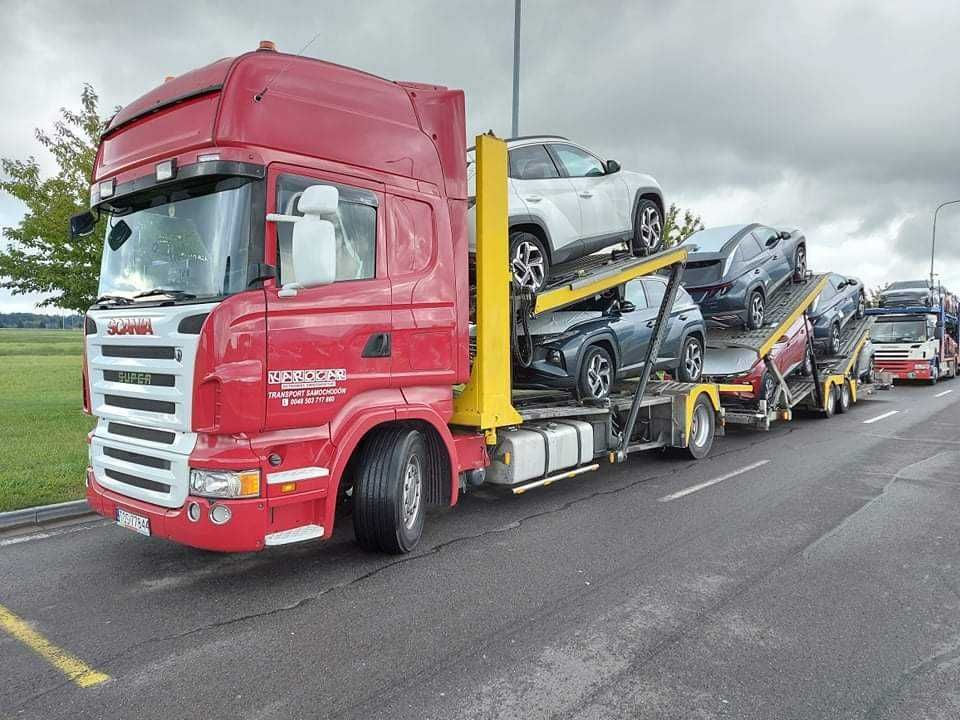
x,y
178,294
118,299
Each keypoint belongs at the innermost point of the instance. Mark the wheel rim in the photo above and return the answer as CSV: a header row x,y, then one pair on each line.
x,y
756,310
699,426
651,228
845,396
861,308
769,391
835,339
693,360
527,265
808,364
412,485
598,376
801,264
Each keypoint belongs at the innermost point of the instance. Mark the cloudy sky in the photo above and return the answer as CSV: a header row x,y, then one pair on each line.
x,y
841,117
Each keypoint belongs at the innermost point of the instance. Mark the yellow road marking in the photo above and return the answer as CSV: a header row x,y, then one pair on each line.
x,y
74,668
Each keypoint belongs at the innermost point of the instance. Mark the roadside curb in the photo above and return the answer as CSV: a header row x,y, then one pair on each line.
x,y
43,514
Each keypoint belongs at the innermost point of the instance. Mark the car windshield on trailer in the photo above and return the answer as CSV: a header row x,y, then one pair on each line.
x,y
724,362
909,284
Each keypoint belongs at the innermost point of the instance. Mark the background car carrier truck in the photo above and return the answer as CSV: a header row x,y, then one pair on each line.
x,y
283,326
916,342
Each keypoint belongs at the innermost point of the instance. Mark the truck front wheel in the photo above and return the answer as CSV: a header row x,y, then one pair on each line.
x,y
389,491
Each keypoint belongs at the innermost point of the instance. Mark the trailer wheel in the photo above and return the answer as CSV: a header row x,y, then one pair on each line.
x,y
702,428
843,397
831,404
388,497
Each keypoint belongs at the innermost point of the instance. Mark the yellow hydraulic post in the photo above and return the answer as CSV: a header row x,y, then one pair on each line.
x,y
485,402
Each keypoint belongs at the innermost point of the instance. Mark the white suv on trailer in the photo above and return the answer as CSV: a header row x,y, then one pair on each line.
x,y
565,203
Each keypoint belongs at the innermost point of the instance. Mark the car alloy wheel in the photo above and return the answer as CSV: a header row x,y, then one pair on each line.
x,y
756,311
651,229
835,340
861,307
800,264
693,361
527,265
769,390
598,376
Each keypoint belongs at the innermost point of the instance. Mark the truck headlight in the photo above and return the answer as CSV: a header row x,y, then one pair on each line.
x,y
225,483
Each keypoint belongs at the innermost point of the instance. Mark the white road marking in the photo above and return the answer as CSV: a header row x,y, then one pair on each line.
x,y
17,539
945,392
880,417
708,483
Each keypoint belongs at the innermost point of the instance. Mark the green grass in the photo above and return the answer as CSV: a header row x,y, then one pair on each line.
x,y
43,449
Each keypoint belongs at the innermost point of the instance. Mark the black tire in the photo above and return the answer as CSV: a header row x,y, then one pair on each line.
x,y
691,360
756,310
529,262
768,389
844,398
647,229
833,344
385,517
596,374
861,307
806,369
800,263
702,428
831,407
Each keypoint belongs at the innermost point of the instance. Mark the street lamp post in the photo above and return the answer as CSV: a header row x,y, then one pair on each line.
x,y
516,70
933,238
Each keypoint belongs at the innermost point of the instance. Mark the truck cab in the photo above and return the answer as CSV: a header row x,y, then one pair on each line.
x,y
281,272
908,345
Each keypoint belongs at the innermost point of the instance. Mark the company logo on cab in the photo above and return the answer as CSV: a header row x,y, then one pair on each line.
x,y
130,326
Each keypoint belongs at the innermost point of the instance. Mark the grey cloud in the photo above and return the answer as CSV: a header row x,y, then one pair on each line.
x,y
837,116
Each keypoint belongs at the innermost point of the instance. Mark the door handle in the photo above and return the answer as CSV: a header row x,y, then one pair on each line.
x,y
378,346
586,194
757,271
533,198
683,317
651,323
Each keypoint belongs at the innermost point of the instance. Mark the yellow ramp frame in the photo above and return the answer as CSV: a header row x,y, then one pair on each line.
x,y
485,402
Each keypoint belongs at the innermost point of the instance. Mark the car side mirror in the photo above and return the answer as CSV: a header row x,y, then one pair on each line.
x,y
783,235
82,224
314,247
612,167
627,307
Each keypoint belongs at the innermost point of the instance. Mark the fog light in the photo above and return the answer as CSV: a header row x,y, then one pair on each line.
x,y
555,357
166,170
220,514
193,512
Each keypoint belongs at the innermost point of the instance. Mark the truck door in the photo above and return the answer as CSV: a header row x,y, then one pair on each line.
x,y
326,345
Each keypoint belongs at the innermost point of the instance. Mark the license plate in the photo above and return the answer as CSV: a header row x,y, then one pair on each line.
x,y
133,522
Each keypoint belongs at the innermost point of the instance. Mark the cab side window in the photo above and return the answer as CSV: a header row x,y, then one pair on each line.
x,y
355,226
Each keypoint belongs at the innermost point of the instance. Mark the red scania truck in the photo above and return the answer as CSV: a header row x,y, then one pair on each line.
x,y
283,328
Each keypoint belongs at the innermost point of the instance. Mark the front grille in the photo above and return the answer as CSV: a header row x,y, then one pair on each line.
x,y
141,352
146,404
137,458
130,377
140,433
892,354
139,482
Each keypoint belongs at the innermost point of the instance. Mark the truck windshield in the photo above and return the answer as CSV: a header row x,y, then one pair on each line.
x,y
188,242
902,331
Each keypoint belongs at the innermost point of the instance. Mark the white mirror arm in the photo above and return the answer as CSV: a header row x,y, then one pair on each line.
x,y
280,218
289,290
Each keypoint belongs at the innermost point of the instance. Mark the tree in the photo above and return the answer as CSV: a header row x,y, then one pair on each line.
x,y
677,227
40,255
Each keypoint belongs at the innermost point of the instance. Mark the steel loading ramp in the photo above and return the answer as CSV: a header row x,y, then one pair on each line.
x,y
784,306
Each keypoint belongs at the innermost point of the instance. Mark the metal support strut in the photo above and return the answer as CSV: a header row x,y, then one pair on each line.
x,y
653,352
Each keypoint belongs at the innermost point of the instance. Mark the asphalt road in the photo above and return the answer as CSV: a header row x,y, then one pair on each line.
x,y
823,582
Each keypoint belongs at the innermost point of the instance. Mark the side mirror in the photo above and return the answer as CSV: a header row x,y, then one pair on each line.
x,y
612,167
783,235
314,250
627,307
82,224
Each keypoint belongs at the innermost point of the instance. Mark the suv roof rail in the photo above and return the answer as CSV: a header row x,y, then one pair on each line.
x,y
536,137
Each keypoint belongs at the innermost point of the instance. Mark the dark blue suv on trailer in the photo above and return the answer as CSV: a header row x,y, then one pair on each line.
x,y
590,345
732,270
841,299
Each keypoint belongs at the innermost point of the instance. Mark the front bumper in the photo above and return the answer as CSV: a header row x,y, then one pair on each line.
x,y
245,532
906,369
